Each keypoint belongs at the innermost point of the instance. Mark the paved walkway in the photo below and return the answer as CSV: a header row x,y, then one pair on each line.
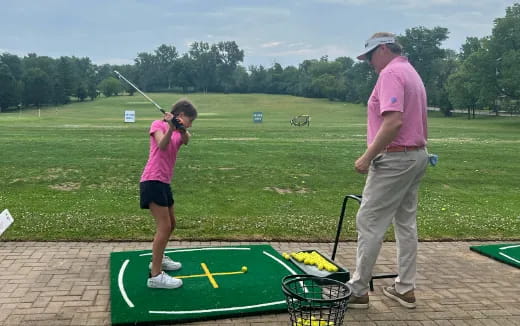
x,y
67,283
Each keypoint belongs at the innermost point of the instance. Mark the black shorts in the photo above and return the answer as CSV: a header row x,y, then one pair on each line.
x,y
157,192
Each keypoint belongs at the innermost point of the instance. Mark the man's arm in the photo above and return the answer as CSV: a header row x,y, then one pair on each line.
x,y
392,122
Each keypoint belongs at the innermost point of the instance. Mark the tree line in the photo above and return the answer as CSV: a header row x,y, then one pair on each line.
x,y
483,75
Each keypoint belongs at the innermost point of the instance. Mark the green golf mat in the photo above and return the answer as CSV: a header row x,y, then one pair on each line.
x,y
506,253
219,289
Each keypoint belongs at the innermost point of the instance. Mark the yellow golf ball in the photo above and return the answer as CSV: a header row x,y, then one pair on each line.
x,y
244,269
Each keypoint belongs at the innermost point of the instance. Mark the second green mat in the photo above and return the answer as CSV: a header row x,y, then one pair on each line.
x,y
506,253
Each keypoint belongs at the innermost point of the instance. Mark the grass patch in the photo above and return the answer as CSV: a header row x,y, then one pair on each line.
x,y
73,172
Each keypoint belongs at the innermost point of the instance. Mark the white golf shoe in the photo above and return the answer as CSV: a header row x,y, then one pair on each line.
x,y
164,281
168,264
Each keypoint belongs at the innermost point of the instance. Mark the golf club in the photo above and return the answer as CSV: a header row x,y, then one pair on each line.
x,y
175,121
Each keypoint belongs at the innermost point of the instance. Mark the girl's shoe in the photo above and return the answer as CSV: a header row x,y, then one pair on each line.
x,y
164,281
168,264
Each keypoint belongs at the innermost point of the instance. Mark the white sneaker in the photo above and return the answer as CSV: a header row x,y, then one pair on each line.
x,y
164,281
168,264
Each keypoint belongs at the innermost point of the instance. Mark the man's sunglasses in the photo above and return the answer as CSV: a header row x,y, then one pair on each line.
x,y
370,54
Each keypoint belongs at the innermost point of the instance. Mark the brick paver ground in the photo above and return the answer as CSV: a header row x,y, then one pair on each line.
x,y
67,283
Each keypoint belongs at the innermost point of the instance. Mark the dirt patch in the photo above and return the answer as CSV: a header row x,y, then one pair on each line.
x,y
67,186
283,191
55,173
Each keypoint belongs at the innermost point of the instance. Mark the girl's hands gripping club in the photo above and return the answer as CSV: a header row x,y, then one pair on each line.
x,y
175,123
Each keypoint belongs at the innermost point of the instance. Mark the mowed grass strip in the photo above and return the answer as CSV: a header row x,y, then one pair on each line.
x,y
72,172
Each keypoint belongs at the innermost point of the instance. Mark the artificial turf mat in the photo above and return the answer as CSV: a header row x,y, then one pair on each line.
x,y
256,291
506,253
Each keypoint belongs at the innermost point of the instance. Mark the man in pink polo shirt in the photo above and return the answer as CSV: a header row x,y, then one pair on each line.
x,y
395,160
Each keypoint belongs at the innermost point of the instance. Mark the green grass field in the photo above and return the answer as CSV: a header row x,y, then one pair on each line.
x,y
73,172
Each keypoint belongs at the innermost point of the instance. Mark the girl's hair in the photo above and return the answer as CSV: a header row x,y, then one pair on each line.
x,y
394,47
184,106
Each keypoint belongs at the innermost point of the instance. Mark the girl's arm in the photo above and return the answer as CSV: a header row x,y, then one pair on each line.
x,y
163,139
185,136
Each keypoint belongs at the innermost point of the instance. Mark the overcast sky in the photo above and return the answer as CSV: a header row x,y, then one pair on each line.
x,y
283,31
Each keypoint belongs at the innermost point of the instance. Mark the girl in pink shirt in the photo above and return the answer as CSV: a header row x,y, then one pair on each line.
x,y
166,138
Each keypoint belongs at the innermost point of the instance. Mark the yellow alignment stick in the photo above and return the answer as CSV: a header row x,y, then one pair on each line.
x,y
214,274
209,275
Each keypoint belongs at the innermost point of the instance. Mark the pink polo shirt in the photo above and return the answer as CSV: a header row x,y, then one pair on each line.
x,y
161,163
399,88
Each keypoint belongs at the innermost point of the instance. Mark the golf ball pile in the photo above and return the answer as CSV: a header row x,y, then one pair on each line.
x,y
312,258
312,322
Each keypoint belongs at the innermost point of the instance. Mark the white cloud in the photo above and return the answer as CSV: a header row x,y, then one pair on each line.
x,y
270,44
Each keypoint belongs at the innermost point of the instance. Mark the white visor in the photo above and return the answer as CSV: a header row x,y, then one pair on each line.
x,y
373,43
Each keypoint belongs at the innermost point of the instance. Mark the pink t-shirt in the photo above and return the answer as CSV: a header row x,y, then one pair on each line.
x,y
399,88
161,163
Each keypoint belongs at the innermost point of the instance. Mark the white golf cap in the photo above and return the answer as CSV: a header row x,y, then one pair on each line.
x,y
372,43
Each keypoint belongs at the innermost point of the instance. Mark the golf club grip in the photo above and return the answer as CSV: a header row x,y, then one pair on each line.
x,y
178,124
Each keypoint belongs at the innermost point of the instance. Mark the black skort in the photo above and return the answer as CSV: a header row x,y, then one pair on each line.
x,y
157,192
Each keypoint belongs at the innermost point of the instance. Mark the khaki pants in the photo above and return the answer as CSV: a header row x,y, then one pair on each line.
x,y
390,196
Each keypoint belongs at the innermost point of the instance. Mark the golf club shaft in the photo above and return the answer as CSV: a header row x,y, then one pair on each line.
x,y
137,89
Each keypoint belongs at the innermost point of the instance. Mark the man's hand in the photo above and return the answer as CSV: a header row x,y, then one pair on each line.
x,y
392,122
362,165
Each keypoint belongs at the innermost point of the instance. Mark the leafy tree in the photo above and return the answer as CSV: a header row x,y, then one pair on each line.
x,y
81,91
276,86
228,57
259,79
130,72
489,67
290,80
85,75
205,59
509,75
38,90
361,79
471,86
92,91
506,31
459,91
422,47
447,67
8,87
65,79
184,72
14,63
324,86
472,45
240,79
166,55
146,66
505,48
110,86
